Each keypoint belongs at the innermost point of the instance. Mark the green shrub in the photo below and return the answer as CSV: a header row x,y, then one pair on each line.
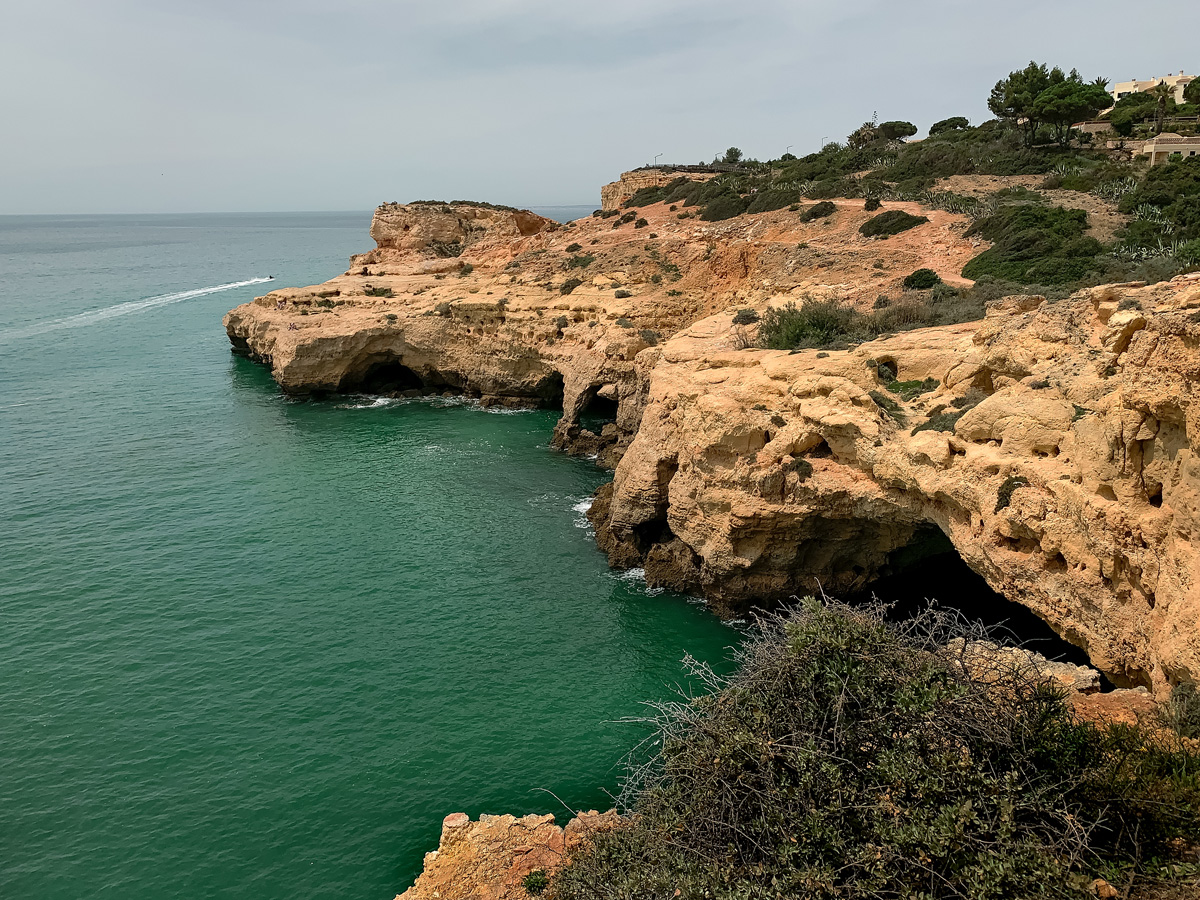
x,y
650,336
767,201
922,280
624,323
1035,245
580,262
443,309
640,223
872,204
724,206
818,323
569,285
622,295
374,292
536,882
850,759
941,421
561,322
745,317
574,248
465,269
891,222
818,211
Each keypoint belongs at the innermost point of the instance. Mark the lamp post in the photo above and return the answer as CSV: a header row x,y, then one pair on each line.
x,y
656,159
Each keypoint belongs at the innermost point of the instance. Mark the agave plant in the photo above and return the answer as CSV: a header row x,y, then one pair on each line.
x,y
1115,190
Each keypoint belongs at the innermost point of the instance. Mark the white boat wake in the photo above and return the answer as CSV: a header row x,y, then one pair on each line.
x,y
124,309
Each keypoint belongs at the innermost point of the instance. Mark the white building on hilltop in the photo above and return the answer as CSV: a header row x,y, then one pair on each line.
x,y
1178,82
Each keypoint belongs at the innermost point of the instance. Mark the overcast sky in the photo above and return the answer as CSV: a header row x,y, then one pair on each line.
x,y
232,105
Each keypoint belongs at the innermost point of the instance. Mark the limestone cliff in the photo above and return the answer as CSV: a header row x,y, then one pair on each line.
x,y
1053,443
614,194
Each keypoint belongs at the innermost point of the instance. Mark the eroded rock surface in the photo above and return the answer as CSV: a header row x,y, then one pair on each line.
x,y
1053,443
489,859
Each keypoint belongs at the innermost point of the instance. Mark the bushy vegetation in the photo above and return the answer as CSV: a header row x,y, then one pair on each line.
x,y
826,324
891,222
817,323
1036,107
1035,245
1166,208
536,882
378,291
723,206
821,210
745,317
569,285
954,123
850,759
922,280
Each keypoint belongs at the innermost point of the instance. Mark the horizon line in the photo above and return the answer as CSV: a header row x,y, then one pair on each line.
x,y
260,212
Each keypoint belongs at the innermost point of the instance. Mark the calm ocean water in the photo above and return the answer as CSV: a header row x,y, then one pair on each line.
x,y
258,648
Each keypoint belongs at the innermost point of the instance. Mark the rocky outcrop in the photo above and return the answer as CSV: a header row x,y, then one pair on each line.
x,y
489,859
614,194
1054,444
412,233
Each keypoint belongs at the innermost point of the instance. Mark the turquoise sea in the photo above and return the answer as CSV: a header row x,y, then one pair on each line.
x,y
258,648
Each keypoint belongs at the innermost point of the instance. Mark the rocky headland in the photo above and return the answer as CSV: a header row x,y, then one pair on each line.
x,y
1050,443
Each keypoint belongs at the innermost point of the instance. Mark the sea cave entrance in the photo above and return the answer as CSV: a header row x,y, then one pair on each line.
x,y
599,408
381,375
929,569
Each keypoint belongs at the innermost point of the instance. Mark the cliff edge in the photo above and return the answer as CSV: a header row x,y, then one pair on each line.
x,y
1052,444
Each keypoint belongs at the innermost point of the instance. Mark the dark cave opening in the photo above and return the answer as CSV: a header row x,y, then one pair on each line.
x,y
384,376
597,412
928,570
550,391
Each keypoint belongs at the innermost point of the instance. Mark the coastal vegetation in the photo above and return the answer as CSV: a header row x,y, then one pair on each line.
x,y
852,758
829,325
1033,134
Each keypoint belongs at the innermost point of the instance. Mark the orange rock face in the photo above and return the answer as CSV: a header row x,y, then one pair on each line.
x,y
1054,444
489,859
